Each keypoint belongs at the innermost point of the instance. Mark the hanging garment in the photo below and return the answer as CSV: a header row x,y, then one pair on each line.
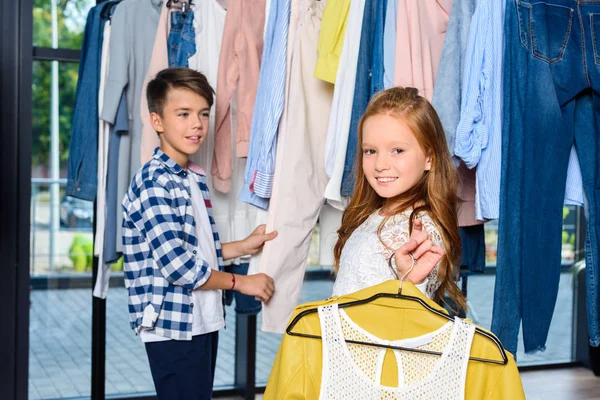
x,y
369,80
158,61
349,369
262,216
258,178
420,33
300,368
112,229
331,39
447,91
551,85
472,231
82,173
389,43
233,218
466,195
239,66
330,220
103,146
364,259
182,38
135,23
341,107
300,179
478,134
472,240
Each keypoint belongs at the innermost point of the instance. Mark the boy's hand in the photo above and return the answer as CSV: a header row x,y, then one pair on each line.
x,y
259,285
254,243
424,252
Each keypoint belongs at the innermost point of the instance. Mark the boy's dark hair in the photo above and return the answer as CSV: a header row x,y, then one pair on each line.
x,y
176,78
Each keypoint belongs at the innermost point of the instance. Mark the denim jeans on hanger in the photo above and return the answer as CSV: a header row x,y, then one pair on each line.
x,y
244,304
369,80
182,38
551,99
472,240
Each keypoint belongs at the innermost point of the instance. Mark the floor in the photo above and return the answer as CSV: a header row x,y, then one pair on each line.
x,y
571,384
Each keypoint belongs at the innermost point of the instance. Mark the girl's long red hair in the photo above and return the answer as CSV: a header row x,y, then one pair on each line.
x,y
435,193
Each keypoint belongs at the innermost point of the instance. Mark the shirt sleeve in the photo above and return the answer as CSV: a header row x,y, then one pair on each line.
x,y
152,214
473,127
118,64
331,39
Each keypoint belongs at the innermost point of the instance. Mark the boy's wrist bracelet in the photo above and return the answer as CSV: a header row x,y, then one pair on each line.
x,y
232,281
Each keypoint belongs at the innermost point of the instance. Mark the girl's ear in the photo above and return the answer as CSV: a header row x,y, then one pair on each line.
x,y
428,163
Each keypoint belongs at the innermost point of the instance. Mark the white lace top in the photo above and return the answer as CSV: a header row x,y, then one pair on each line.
x,y
352,371
364,259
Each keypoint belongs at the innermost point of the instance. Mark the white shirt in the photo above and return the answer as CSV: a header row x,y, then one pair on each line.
x,y
341,106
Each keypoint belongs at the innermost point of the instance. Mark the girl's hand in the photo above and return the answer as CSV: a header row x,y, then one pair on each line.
x,y
254,243
425,254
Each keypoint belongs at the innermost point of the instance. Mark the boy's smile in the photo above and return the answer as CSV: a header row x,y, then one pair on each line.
x,y
183,125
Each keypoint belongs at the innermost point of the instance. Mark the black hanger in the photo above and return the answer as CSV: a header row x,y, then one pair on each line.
x,y
107,11
170,2
399,295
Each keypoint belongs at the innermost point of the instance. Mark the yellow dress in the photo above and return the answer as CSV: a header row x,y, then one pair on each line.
x,y
297,369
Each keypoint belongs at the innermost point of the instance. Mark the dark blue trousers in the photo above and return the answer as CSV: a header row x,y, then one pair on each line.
x,y
184,369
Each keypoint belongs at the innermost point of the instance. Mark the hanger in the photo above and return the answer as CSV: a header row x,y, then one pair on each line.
x,y
184,4
399,295
107,11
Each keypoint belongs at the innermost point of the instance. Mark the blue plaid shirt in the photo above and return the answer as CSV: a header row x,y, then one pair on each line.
x,y
161,254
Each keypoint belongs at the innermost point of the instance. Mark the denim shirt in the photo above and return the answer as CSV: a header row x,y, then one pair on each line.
x,y
82,170
162,259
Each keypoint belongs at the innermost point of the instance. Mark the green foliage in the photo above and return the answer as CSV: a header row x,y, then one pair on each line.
x,y
565,237
71,16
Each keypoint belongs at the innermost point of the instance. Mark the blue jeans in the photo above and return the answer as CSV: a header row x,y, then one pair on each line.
x,y
182,38
184,369
244,304
369,80
551,99
472,240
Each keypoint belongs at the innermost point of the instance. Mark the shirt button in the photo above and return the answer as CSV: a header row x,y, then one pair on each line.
x,y
194,251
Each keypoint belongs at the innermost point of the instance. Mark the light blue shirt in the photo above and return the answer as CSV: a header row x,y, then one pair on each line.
x,y
389,43
260,166
479,131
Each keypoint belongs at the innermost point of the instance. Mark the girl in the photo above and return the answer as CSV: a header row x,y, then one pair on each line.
x,y
403,209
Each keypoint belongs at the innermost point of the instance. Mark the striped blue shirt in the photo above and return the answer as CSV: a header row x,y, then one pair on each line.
x,y
260,166
389,43
162,259
479,131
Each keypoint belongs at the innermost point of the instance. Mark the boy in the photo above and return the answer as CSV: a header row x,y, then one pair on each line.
x,y
173,256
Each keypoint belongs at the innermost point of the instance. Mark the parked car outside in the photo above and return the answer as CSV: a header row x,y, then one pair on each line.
x,y
76,213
